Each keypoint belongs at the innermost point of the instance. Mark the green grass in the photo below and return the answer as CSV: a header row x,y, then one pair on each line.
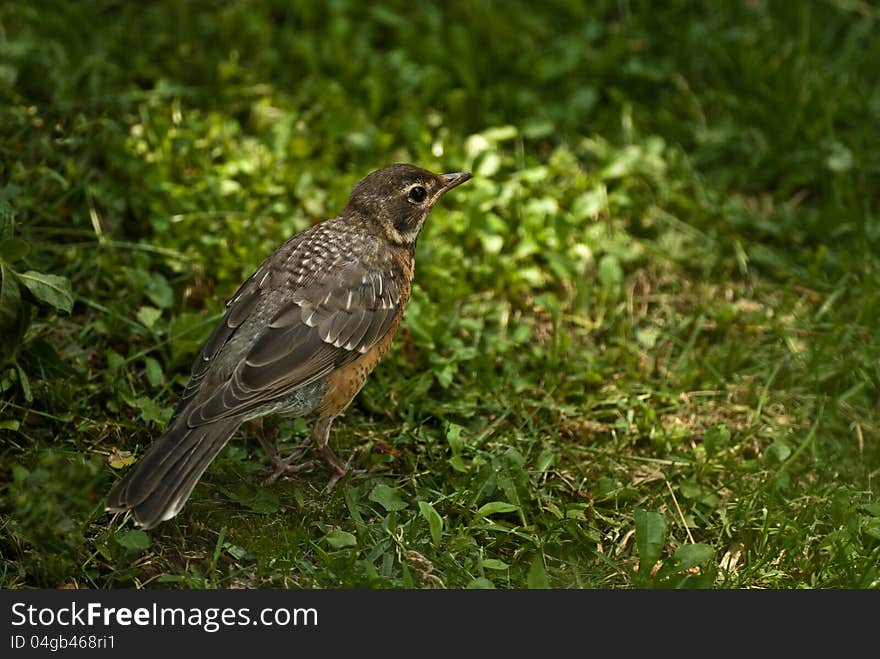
x,y
642,349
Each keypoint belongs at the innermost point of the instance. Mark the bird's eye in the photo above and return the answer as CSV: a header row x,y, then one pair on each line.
x,y
417,194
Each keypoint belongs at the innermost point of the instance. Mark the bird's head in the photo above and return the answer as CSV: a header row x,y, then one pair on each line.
x,y
397,199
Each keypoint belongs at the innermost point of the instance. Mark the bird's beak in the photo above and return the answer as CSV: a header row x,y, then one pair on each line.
x,y
452,180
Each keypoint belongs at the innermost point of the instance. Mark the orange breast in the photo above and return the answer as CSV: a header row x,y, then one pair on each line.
x,y
344,383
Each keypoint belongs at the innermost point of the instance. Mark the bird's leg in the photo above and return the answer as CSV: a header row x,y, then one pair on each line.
x,y
321,436
280,465
265,437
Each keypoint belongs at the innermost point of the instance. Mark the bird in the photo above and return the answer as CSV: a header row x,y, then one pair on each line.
x,y
298,339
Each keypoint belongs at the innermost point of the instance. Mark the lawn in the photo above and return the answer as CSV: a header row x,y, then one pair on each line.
x,y
643,346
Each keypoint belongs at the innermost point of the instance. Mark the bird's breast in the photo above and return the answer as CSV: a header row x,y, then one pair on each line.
x,y
344,383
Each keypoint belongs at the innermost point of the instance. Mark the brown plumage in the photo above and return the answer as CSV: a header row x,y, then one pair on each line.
x,y
299,338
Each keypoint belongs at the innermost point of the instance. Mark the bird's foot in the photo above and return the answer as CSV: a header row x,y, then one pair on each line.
x,y
284,466
341,469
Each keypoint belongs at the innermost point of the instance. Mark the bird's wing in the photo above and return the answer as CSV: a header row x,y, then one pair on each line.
x,y
337,313
239,309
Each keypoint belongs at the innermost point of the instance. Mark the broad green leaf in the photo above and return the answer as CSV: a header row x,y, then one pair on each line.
x,y
259,499
435,522
500,133
51,289
134,539
159,292
716,437
152,411
339,539
481,583
515,459
153,371
779,450
387,497
610,273
115,361
650,538
537,577
488,165
693,555
10,297
623,163
474,145
264,501
455,437
25,383
541,207
494,564
647,337
545,460
9,424
13,249
457,463
840,159
148,316
536,128
492,243
494,507
589,204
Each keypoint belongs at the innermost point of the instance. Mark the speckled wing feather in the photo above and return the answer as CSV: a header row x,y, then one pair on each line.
x,y
306,311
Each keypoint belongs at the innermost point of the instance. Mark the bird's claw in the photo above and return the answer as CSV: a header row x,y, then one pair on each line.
x,y
340,470
284,466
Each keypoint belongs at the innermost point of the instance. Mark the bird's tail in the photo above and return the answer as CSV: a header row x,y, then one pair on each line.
x,y
157,487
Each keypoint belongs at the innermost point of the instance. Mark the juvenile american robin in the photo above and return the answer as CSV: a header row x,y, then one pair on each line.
x,y
299,338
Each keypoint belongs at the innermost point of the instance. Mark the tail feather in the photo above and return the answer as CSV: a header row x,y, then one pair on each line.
x,y
157,487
